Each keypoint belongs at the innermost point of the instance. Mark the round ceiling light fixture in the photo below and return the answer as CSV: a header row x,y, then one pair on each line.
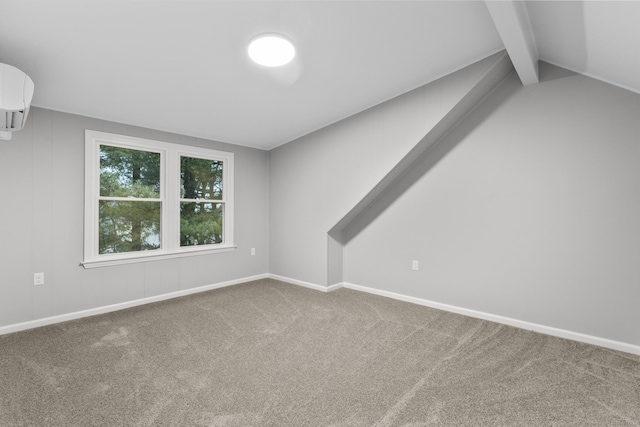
x,y
271,50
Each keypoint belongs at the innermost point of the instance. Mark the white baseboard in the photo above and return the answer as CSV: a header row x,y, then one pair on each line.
x,y
306,284
548,330
562,333
120,306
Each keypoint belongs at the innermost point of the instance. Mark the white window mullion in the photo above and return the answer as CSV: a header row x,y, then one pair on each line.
x,y
227,212
171,226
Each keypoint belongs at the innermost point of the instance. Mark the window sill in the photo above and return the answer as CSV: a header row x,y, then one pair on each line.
x,y
108,261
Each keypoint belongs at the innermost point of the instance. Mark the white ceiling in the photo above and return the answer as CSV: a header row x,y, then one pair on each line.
x,y
181,66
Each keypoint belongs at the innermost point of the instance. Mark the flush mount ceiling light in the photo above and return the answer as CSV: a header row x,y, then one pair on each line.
x,y
271,50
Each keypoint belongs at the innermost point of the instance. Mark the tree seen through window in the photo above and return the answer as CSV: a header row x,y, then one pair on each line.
x,y
201,206
129,207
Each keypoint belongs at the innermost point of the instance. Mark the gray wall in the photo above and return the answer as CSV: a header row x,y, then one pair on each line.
x,y
535,215
41,224
317,179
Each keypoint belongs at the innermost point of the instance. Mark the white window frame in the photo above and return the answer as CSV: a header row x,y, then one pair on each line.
x,y
169,197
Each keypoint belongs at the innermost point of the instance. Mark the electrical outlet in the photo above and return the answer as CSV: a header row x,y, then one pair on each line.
x,y
414,265
38,279
253,251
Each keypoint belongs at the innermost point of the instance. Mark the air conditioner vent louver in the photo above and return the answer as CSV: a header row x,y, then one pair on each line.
x,y
12,120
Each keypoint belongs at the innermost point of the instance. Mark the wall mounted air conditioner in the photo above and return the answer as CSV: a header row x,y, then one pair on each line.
x,y
16,92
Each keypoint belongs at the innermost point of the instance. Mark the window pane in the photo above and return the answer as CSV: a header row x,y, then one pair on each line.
x,y
129,173
128,226
200,178
200,223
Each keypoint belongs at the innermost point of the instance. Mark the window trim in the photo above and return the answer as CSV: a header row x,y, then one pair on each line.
x,y
169,196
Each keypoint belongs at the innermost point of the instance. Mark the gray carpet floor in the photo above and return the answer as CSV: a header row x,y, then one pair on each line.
x,y
267,353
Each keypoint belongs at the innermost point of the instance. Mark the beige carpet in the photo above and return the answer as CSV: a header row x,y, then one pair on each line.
x,y
268,353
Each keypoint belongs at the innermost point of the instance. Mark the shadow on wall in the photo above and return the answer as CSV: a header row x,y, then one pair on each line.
x,y
434,146
548,72
423,165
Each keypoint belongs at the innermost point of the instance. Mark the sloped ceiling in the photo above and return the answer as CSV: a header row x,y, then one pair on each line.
x,y
600,39
181,66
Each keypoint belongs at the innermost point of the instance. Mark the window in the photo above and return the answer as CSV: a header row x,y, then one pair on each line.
x,y
201,206
150,199
129,202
